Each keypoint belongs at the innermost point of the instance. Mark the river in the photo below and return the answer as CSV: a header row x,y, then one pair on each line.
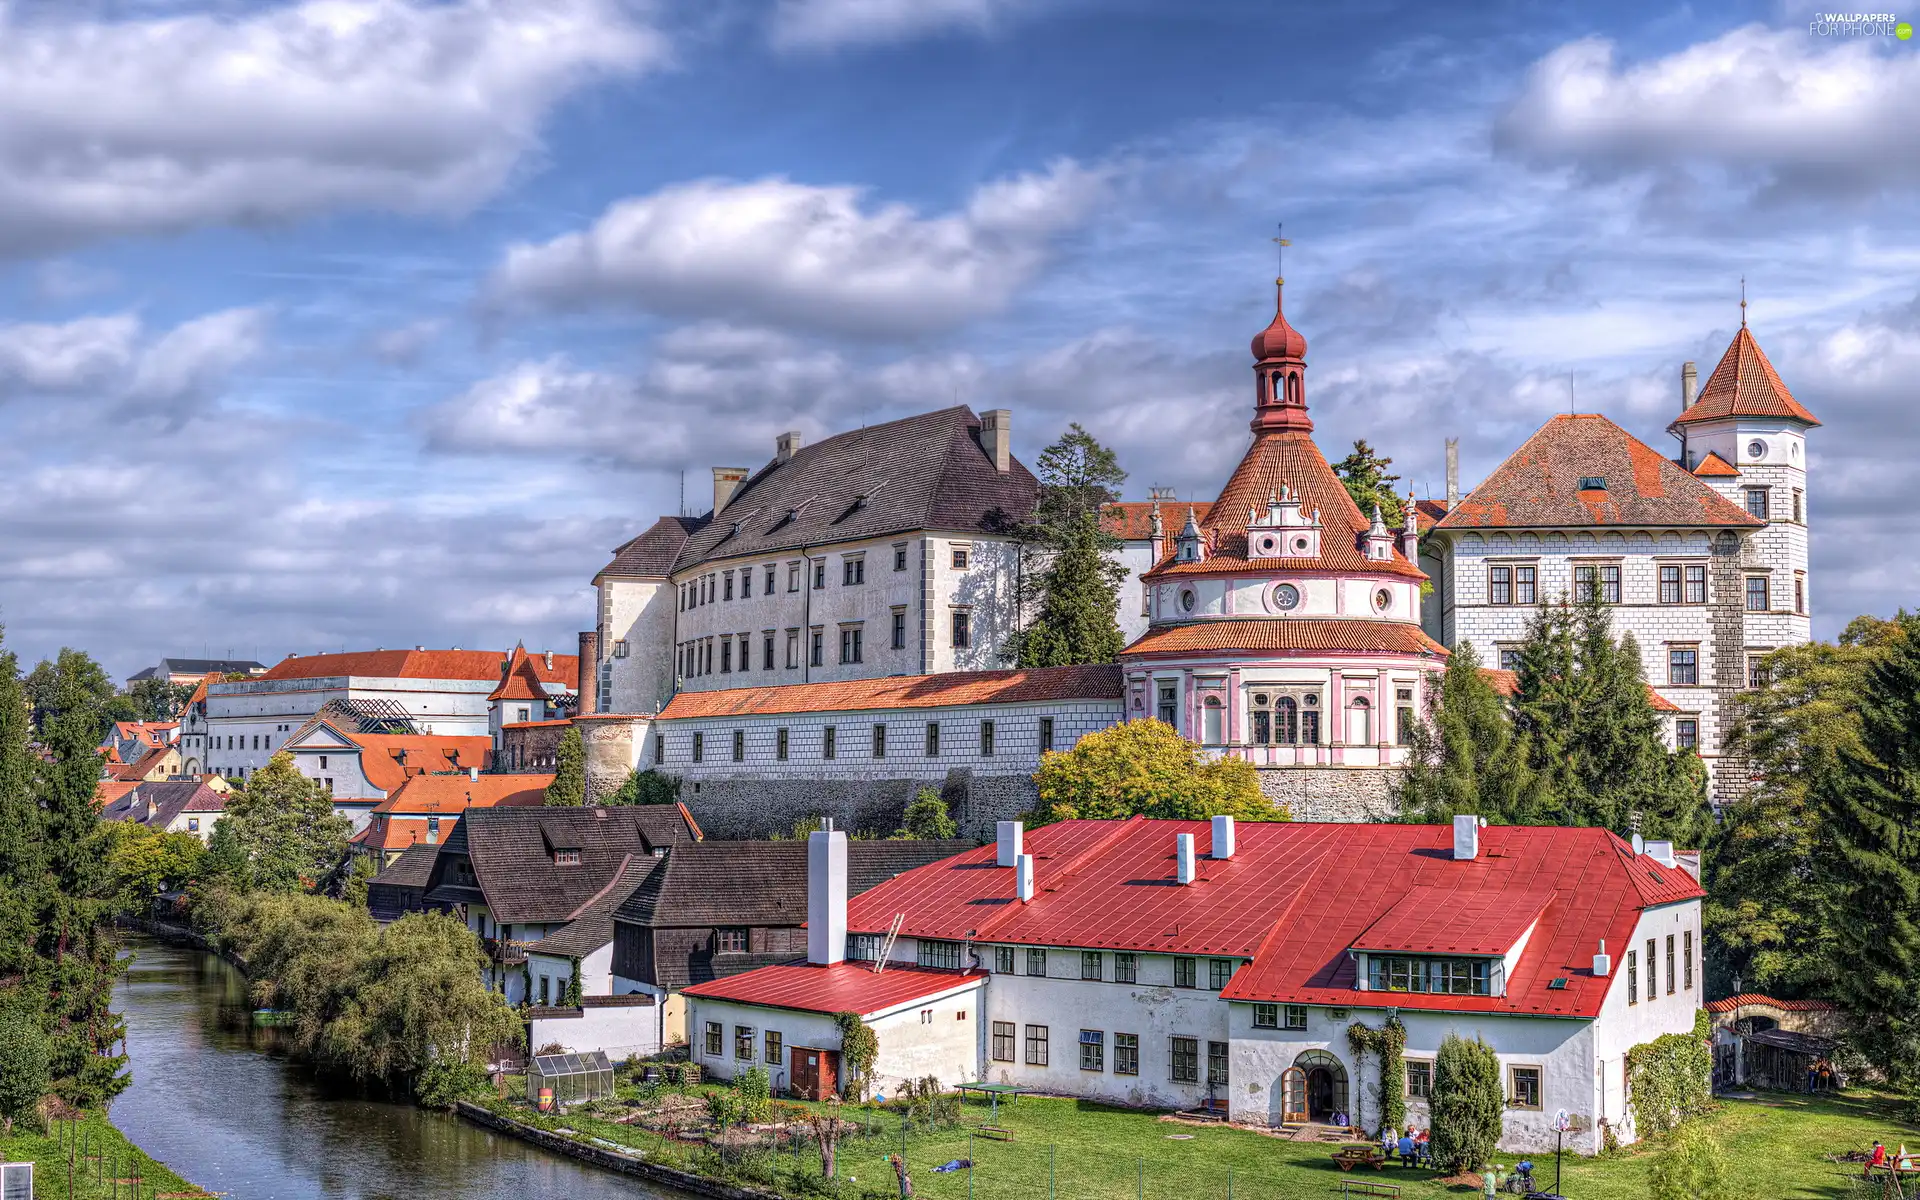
x,y
211,1101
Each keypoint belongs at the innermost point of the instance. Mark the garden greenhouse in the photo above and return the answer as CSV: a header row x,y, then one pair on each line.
x,y
557,1080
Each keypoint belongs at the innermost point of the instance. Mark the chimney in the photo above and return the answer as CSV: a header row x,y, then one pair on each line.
x,y
1023,878
1008,837
549,657
1661,852
473,774
588,682
996,437
1466,837
826,897
1601,963
1689,385
786,445
1222,838
725,480
433,830
1453,472
1183,850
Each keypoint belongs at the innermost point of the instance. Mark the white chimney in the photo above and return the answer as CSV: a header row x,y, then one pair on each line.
x,y
473,774
1601,963
1453,473
1661,852
1222,838
725,480
1466,837
1008,837
1023,878
996,437
1183,848
826,897
1689,385
1639,847
786,445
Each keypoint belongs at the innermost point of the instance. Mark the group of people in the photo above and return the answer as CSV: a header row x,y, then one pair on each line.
x,y
1413,1146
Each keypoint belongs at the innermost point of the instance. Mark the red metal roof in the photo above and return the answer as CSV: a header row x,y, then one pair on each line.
x,y
1746,998
1099,682
842,987
1446,920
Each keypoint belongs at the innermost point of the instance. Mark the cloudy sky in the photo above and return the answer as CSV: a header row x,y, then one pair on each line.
x,y
350,323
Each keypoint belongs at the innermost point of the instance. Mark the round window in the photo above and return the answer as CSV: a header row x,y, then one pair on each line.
x,y
1266,545
1260,698
1311,700
1186,599
1300,544
1382,600
1756,450
1286,596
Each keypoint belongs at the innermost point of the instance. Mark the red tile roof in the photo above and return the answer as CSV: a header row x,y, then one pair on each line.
x,y
1715,467
1745,998
392,664
426,754
1427,514
1294,898
149,762
1539,484
1449,920
842,987
1507,683
537,724
1332,634
1132,520
424,794
108,790
1100,682
1744,385
528,677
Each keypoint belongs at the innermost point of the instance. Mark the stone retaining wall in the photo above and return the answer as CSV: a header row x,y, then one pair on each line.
x,y
609,1160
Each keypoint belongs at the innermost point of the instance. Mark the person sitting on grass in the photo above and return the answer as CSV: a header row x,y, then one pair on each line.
x,y
1423,1147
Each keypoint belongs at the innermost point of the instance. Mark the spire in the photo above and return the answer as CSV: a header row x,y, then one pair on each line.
x,y
1279,372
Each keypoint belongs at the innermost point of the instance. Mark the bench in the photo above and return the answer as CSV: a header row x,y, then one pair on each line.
x,y
995,1132
1355,1156
1367,1187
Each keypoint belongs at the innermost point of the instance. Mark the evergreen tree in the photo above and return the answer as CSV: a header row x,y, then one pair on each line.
x,y
1870,810
1468,1103
927,817
1466,756
23,1067
646,787
157,699
282,827
1365,475
1073,574
569,786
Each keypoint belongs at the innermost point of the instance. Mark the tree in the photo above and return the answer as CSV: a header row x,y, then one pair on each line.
x,y
1364,474
646,787
353,889
1692,1166
1468,1103
281,825
23,1066
859,1050
73,683
145,862
1466,757
569,786
1145,767
927,817
157,699
1073,575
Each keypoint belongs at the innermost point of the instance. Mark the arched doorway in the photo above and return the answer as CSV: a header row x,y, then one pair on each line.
x,y
1326,1085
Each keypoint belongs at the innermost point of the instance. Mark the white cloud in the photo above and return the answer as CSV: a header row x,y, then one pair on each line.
x,y
65,357
116,359
174,121
824,24
1802,113
790,254
404,345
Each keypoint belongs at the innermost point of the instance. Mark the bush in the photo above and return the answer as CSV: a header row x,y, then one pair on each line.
x,y
755,1094
646,787
446,1080
24,1068
927,817
1468,1103
1692,1166
1670,1079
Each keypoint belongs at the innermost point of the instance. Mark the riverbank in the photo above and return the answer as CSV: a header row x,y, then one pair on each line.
x,y
102,1161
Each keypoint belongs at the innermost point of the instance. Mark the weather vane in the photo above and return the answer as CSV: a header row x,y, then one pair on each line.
x,y
1280,251
1743,302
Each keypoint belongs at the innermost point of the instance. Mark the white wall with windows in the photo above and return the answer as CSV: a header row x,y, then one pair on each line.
x,y
248,721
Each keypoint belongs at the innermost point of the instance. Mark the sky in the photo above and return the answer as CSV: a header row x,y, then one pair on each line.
x,y
354,323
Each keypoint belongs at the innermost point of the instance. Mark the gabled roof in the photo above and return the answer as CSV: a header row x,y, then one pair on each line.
x,y
156,804
1017,686
1447,920
1427,514
763,883
198,666
409,870
426,753
1744,385
1745,998
1330,634
1715,467
521,681
842,987
512,853
652,554
149,761
1132,520
1539,485
392,664
591,925
921,472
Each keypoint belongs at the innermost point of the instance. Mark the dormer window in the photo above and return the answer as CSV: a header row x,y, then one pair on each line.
x,y
566,858
1438,976
1593,483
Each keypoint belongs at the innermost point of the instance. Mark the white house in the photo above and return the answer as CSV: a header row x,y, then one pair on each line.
x,y
1177,964
361,769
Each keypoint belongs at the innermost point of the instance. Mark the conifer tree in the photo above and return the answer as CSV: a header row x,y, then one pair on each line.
x,y
1073,574
1468,1103
569,784
1365,475
1466,756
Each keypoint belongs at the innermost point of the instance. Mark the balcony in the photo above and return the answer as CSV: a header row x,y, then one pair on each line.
x,y
506,953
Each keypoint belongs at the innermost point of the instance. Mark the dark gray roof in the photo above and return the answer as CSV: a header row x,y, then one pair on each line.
x,y
761,883
411,869
168,799
653,552
512,852
197,666
592,927
922,472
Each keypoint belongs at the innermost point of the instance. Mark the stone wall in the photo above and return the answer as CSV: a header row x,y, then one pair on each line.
x,y
1331,793
529,746
610,747
759,807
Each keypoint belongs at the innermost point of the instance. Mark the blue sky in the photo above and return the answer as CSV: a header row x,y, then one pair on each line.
x,y
375,322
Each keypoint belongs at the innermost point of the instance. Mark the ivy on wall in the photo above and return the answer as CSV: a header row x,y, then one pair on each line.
x,y
1670,1079
859,1049
1389,1043
570,997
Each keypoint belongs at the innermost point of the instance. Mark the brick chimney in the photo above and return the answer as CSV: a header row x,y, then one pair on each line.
x,y
786,445
588,683
996,437
725,481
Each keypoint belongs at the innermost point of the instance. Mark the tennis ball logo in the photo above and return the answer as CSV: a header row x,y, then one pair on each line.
x,y
1903,31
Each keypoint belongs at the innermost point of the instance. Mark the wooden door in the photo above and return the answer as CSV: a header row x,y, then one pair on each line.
x,y
803,1067
829,1080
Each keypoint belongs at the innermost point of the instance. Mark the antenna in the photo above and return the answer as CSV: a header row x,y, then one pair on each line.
x,y
1569,392
683,491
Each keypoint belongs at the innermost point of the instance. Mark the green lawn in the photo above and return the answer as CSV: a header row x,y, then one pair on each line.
x,y
49,1154
1079,1151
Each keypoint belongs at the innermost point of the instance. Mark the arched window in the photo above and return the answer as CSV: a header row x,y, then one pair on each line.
x,y
1286,721
1293,389
1277,392
1359,722
1213,730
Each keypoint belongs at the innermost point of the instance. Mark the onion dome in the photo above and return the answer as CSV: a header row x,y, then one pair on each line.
x,y
1279,340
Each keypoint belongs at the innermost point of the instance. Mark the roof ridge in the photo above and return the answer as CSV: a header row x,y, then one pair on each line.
x,y
612,880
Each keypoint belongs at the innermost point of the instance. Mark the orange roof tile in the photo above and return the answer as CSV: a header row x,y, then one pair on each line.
x,y
1507,683
1132,520
521,681
426,753
1744,385
905,691
1745,998
541,724
108,790
392,664
1334,634
425,794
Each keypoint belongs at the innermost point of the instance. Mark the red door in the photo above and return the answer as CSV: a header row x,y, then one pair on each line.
x,y
815,1074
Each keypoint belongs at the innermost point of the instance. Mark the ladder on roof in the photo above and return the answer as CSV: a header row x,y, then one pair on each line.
x,y
886,947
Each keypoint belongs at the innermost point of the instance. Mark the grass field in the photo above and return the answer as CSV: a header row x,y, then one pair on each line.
x,y
120,1159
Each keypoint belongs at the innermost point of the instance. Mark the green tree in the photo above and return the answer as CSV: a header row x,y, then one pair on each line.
x,y
646,787
157,699
360,872
72,682
1365,477
927,817
1073,574
1468,1103
24,1074
145,862
1145,767
569,786
282,826
1466,757
1691,1166
859,1050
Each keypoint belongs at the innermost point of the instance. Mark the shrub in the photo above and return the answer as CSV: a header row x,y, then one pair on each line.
x,y
1468,1103
755,1094
446,1080
859,1049
24,1068
1692,1166
927,817
1670,1079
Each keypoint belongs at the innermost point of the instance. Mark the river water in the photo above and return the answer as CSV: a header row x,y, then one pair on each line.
x,y
211,1101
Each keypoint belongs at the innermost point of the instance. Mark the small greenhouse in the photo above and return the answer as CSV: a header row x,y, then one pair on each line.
x,y
557,1080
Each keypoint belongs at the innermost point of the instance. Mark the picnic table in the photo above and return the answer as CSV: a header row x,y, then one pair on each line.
x,y
992,1090
1359,1156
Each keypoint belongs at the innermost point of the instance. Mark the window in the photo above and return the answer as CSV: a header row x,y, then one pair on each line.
x,y
900,556
863,947
1419,1078
962,629
1524,589
780,744
766,652
1758,676
1091,966
1687,950
1670,584
1603,577
960,556
727,592
1046,734
1757,502
1523,1087
1686,734
826,742
1500,585
733,941
1633,978
1509,658
818,654
1266,1016
819,573
853,571
323,762
566,858
1670,975
1798,499
1407,721
1757,598
1359,722
879,741
699,745
715,1039
1653,972
1445,976
743,1042
193,824
768,589
1683,666
1696,584
1036,1045
1003,1041
793,577
933,739
1093,1050
899,629
726,654
986,739
1003,959
940,955
1036,962
793,648
850,644
776,1050
1186,1060
1217,1064
1219,972
1296,1016
1125,968
1169,705
1126,1054
1186,972
1800,596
